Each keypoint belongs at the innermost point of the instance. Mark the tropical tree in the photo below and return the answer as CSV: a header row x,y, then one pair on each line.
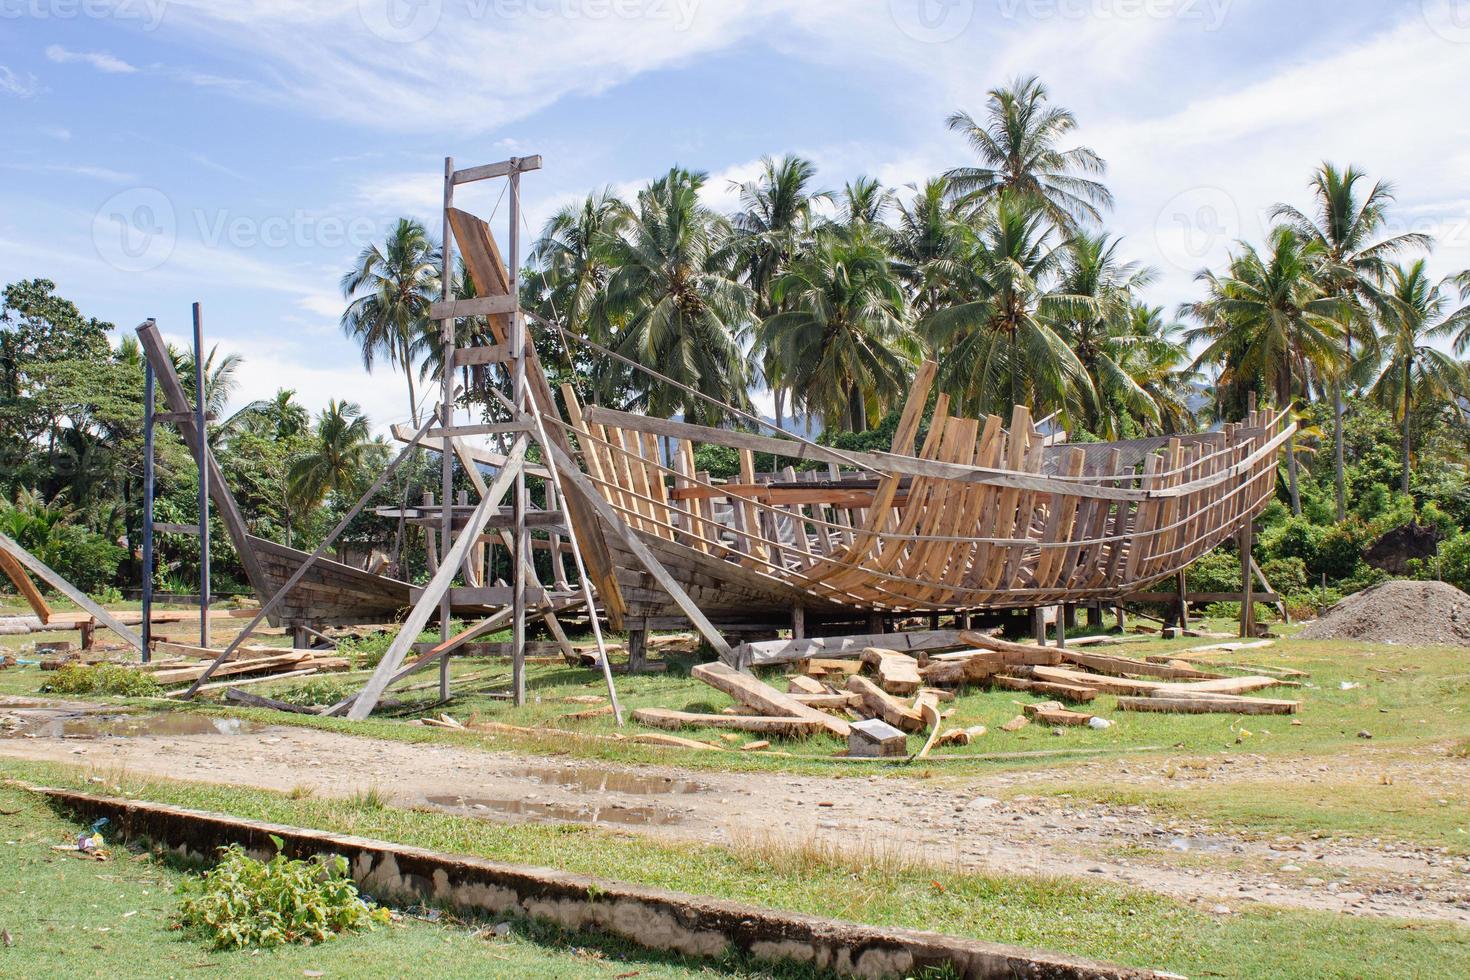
x,y
774,219
924,243
573,260
1343,226
342,446
1092,309
1152,351
1415,373
864,201
1018,145
674,302
1001,347
842,337
390,289
1269,319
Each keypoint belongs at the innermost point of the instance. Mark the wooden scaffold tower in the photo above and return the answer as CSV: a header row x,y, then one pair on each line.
x,y
528,400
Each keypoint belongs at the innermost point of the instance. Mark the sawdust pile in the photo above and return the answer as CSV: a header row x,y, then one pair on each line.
x,y
1405,613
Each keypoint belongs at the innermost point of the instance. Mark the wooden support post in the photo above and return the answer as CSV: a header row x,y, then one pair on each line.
x,y
798,622
146,627
1247,582
1183,601
1062,628
1038,625
1121,617
875,623
521,537
87,631
446,417
637,651
202,456
1094,615
1069,615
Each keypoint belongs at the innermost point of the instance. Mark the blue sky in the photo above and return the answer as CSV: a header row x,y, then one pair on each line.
x,y
240,153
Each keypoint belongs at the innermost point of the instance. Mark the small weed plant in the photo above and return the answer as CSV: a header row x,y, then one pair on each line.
x,y
100,679
244,903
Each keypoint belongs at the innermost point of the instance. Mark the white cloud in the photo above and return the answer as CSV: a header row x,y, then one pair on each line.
x,y
59,133
100,60
20,86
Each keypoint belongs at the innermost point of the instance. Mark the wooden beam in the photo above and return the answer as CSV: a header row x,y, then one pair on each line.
x,y
762,724
367,699
76,595
789,651
16,572
473,306
750,691
156,352
503,169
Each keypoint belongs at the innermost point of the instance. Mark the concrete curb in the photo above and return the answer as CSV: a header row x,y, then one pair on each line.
x,y
650,917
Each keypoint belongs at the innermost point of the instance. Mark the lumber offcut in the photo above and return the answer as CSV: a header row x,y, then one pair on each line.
x,y
880,704
1217,706
750,691
762,724
1052,689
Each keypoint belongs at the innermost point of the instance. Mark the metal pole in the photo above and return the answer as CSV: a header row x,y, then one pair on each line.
x,y
446,416
147,623
521,536
199,423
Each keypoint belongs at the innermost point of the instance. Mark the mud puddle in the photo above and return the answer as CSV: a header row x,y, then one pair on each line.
x,y
633,815
593,781
51,724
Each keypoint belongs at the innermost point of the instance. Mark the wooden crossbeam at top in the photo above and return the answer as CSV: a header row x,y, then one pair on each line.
x,y
502,169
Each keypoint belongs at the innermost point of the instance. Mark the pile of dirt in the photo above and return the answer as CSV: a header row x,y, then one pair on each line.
x,y
1406,613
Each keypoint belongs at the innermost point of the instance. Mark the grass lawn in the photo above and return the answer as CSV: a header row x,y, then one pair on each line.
x,y
70,917
1066,915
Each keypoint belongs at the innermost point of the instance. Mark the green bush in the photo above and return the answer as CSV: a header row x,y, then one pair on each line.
x,y
1288,576
101,679
1454,561
242,903
1216,571
315,692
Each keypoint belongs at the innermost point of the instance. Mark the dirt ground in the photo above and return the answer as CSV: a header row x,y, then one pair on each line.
x,y
985,823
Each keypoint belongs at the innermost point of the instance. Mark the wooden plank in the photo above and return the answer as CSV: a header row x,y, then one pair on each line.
x,y
1052,689
503,169
1221,706
898,673
750,691
880,704
51,578
762,724
790,651
182,675
16,572
1125,667
363,703
472,306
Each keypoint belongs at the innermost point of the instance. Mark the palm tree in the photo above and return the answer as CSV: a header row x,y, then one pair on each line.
x,y
343,444
1269,319
924,245
1001,348
1018,149
775,215
390,289
1153,353
864,202
1352,265
674,303
572,256
843,335
1094,314
1415,373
